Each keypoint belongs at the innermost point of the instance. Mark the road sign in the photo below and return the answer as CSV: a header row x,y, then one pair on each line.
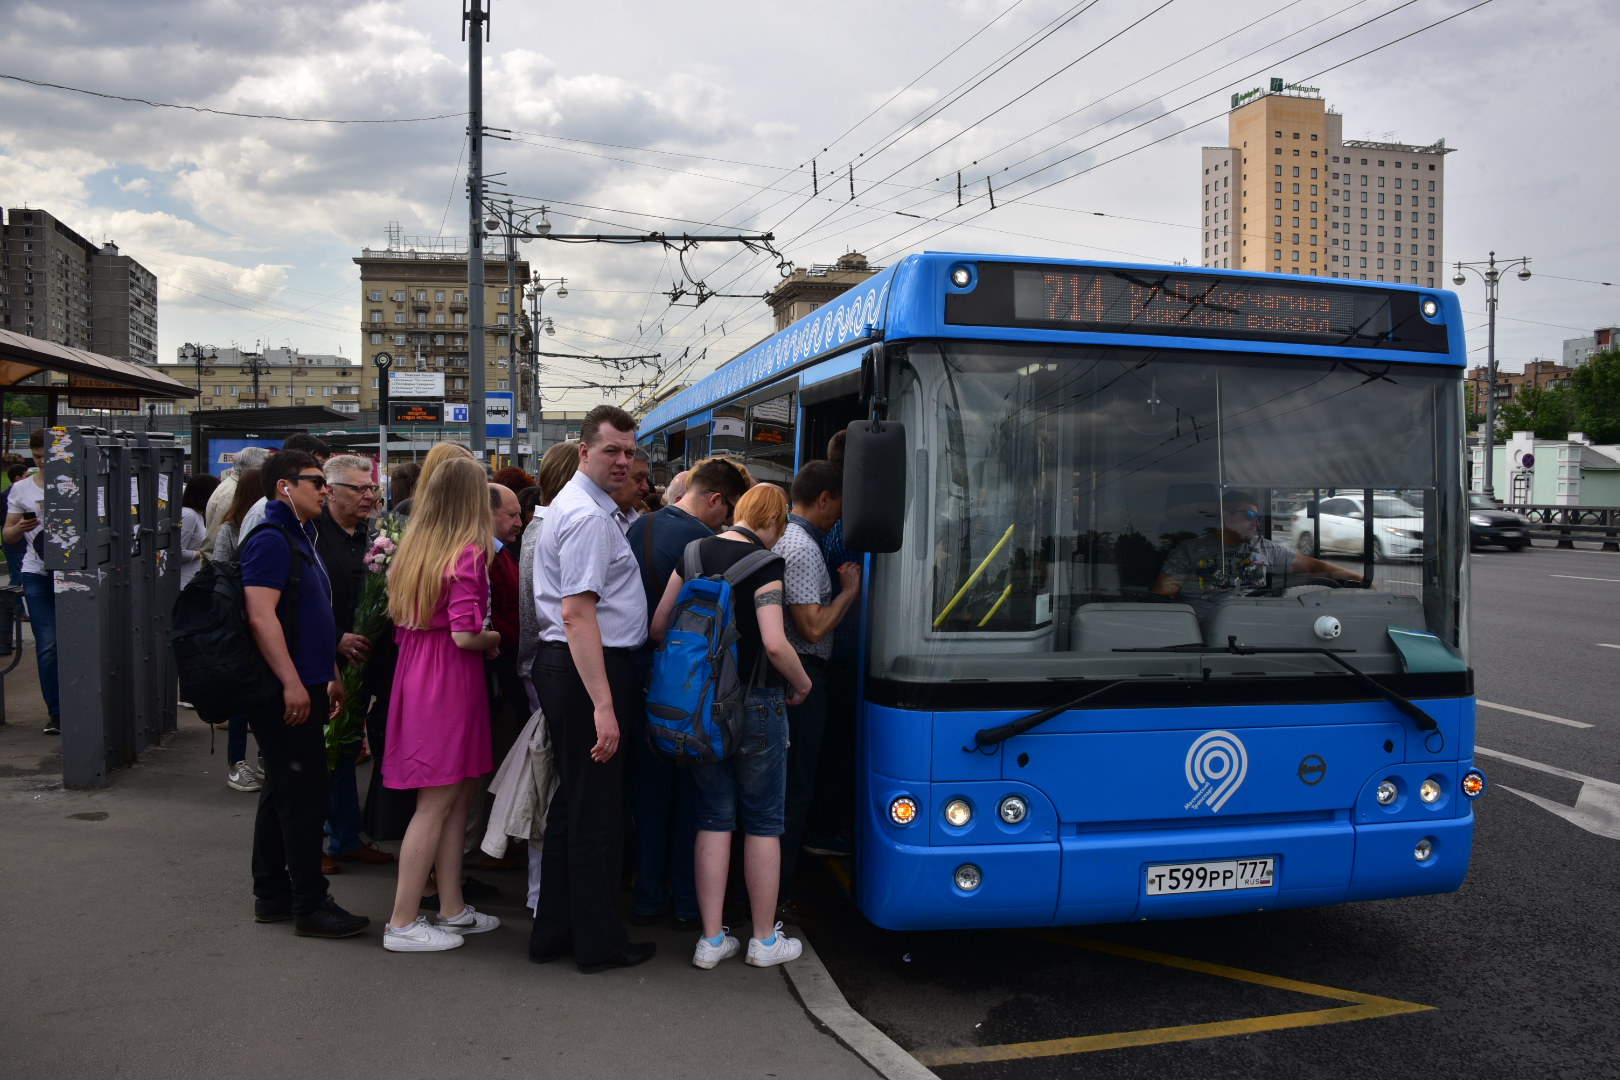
x,y
498,414
416,412
456,412
416,384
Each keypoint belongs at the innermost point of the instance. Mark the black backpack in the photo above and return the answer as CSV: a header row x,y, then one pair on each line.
x,y
219,665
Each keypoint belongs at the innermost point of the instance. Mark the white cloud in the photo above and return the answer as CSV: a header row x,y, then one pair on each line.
x,y
261,218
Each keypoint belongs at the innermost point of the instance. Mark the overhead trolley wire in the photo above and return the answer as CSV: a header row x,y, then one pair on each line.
x,y
1010,198
224,112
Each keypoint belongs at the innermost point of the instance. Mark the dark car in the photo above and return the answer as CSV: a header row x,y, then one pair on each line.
x,y
1489,524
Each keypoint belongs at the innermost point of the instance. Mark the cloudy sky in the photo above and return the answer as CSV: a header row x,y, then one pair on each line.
x,y
1087,118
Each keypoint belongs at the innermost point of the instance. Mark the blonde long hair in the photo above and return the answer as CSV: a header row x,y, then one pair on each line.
x,y
437,455
451,510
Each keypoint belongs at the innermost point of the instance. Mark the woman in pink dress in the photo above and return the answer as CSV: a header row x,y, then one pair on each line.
x,y
438,713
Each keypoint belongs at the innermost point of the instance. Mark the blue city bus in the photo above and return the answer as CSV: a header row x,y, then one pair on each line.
x,y
1047,734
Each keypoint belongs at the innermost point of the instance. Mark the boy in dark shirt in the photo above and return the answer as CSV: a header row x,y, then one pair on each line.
x,y
287,834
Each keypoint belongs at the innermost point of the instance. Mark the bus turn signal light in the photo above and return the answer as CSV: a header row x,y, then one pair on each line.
x,y
903,810
1473,782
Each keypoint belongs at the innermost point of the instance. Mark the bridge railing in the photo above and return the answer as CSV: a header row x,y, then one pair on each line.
x,y
1566,524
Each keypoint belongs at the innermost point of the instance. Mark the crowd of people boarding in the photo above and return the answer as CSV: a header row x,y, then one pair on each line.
x,y
484,642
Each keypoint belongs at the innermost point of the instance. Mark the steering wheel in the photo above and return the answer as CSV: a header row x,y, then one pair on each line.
x,y
1294,581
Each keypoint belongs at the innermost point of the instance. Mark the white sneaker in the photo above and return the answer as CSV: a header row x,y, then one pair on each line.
x,y
708,955
779,952
419,937
470,921
242,778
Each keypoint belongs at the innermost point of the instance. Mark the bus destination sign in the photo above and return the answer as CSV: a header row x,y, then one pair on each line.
x,y
1144,301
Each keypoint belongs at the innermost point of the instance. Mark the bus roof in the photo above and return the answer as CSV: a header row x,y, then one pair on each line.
x,y
1012,298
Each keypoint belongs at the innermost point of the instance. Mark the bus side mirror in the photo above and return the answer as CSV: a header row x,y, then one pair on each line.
x,y
874,485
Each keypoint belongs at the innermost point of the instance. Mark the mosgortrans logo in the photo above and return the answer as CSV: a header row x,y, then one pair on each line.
x,y
1217,762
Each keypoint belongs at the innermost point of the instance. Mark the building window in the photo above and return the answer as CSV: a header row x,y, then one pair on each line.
x,y
438,296
505,297
326,391
421,295
399,316
376,316
399,339
500,384
460,319
376,339
375,296
399,296
438,317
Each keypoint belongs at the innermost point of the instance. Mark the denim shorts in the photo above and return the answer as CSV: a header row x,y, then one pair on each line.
x,y
751,784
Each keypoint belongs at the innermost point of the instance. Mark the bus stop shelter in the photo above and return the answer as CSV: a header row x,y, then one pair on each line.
x,y
94,381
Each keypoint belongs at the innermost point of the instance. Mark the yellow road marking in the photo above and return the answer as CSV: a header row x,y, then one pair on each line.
x,y
1361,1007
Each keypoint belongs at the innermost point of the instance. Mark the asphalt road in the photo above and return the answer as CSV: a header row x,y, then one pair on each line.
x,y
1515,976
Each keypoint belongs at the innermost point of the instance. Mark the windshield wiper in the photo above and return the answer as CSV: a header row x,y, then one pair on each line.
x,y
1423,720
1002,732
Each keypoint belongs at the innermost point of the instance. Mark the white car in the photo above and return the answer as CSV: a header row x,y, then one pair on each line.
x,y
1341,522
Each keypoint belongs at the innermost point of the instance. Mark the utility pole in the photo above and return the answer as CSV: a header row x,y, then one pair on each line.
x,y
514,308
1490,271
534,377
475,13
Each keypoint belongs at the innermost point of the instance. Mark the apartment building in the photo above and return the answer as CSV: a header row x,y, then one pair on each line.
x,y
60,287
414,307
1291,195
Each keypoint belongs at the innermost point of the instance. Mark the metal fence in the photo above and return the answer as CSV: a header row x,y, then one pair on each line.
x,y
1566,524
112,533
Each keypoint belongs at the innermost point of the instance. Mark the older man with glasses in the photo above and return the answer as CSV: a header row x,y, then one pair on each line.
x,y
342,536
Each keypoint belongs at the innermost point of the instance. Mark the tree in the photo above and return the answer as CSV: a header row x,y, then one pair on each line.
x,y
25,404
1545,411
1594,388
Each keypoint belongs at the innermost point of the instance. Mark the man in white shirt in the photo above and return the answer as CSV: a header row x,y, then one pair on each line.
x,y
592,615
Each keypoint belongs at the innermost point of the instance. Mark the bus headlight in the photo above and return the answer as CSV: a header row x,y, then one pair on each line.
x,y
1429,790
1013,809
1473,782
1424,851
968,877
958,812
960,277
1387,791
903,810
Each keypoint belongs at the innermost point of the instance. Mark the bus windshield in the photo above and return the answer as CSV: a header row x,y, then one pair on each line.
x,y
1072,509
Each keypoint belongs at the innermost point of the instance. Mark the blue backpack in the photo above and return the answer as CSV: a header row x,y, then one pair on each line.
x,y
696,695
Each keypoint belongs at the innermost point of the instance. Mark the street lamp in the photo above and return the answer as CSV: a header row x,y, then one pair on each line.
x,y
253,365
197,354
537,289
1490,271
525,226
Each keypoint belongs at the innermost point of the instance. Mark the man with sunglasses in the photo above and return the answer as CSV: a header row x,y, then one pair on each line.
x,y
663,805
342,536
1237,558
295,633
